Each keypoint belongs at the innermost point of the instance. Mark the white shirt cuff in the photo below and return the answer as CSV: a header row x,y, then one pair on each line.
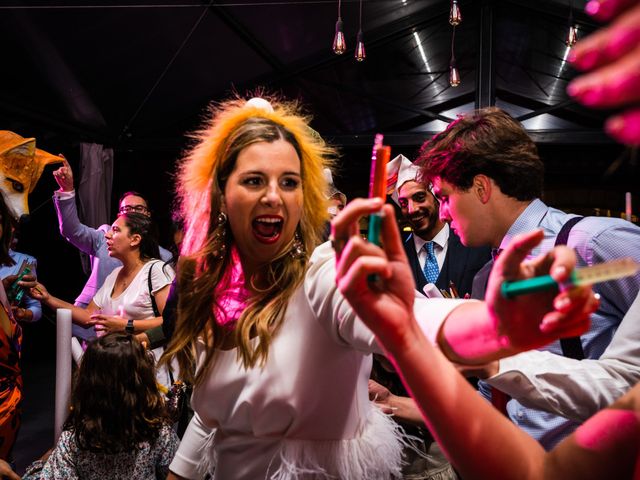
x,y
62,195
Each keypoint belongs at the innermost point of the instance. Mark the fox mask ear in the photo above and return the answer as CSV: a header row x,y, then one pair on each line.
x,y
41,159
26,149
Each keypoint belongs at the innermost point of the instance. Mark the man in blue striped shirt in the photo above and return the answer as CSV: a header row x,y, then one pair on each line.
x,y
488,176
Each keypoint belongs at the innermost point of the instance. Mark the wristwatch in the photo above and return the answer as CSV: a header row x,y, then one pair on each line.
x,y
129,328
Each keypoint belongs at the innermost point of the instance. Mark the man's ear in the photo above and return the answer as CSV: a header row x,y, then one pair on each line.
x,y
483,187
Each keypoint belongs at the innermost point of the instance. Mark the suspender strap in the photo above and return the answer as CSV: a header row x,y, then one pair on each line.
x,y
563,234
571,347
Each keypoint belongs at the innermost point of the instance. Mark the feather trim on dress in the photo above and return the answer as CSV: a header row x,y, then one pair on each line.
x,y
209,459
375,454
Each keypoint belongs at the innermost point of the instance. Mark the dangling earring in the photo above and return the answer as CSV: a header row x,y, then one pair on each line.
x,y
297,247
219,235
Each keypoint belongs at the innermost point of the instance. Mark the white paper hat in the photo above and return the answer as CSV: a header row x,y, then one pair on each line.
x,y
399,171
332,191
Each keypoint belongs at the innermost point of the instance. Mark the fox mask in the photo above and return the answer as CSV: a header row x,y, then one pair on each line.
x,y
21,165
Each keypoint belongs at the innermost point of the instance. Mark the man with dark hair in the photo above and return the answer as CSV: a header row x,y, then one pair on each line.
x,y
490,142
91,240
488,177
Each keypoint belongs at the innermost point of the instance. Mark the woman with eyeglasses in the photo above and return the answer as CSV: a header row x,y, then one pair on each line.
x,y
125,302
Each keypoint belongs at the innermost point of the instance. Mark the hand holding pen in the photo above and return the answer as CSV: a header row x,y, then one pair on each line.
x,y
528,321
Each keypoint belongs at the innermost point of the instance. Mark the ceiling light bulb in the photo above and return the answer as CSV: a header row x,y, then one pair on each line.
x,y
455,16
454,74
572,36
360,54
339,44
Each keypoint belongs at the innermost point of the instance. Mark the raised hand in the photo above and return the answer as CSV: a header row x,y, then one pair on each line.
x,y
64,176
385,306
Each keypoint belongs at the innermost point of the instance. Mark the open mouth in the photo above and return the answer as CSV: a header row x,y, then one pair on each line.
x,y
267,228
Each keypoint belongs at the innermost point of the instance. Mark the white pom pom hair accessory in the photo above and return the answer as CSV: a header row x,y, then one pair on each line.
x,y
261,103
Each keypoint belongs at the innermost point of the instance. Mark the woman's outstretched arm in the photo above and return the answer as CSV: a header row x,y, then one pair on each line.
x,y
80,316
480,441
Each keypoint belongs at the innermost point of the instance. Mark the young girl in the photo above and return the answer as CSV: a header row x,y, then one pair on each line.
x,y
118,427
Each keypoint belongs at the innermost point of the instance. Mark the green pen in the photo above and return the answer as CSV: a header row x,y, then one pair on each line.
x,y
602,272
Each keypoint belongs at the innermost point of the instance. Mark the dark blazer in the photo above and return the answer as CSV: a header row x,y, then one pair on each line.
x,y
460,265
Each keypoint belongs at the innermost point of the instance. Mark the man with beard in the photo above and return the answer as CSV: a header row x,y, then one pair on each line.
x,y
435,252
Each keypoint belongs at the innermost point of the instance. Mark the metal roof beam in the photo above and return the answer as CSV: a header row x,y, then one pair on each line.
x,y
485,73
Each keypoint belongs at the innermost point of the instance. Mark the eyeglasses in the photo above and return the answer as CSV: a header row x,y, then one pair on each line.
x,y
134,208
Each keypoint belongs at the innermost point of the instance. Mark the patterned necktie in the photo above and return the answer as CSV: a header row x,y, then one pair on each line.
x,y
431,269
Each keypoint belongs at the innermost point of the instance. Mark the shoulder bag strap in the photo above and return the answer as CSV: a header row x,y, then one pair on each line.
x,y
155,310
156,313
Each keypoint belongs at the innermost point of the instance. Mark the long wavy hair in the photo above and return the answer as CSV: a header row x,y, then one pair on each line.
x,y
206,248
115,403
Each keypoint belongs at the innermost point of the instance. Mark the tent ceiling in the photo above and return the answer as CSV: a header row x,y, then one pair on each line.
x,y
135,74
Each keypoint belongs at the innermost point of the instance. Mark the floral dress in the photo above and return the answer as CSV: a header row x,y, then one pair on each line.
x,y
67,461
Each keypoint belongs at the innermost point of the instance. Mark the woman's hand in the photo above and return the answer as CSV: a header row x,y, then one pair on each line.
x,y
22,314
39,292
108,323
613,56
143,339
403,409
386,305
532,320
381,397
27,281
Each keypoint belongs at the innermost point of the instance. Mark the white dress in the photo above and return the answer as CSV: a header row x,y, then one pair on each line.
x,y
135,301
306,413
